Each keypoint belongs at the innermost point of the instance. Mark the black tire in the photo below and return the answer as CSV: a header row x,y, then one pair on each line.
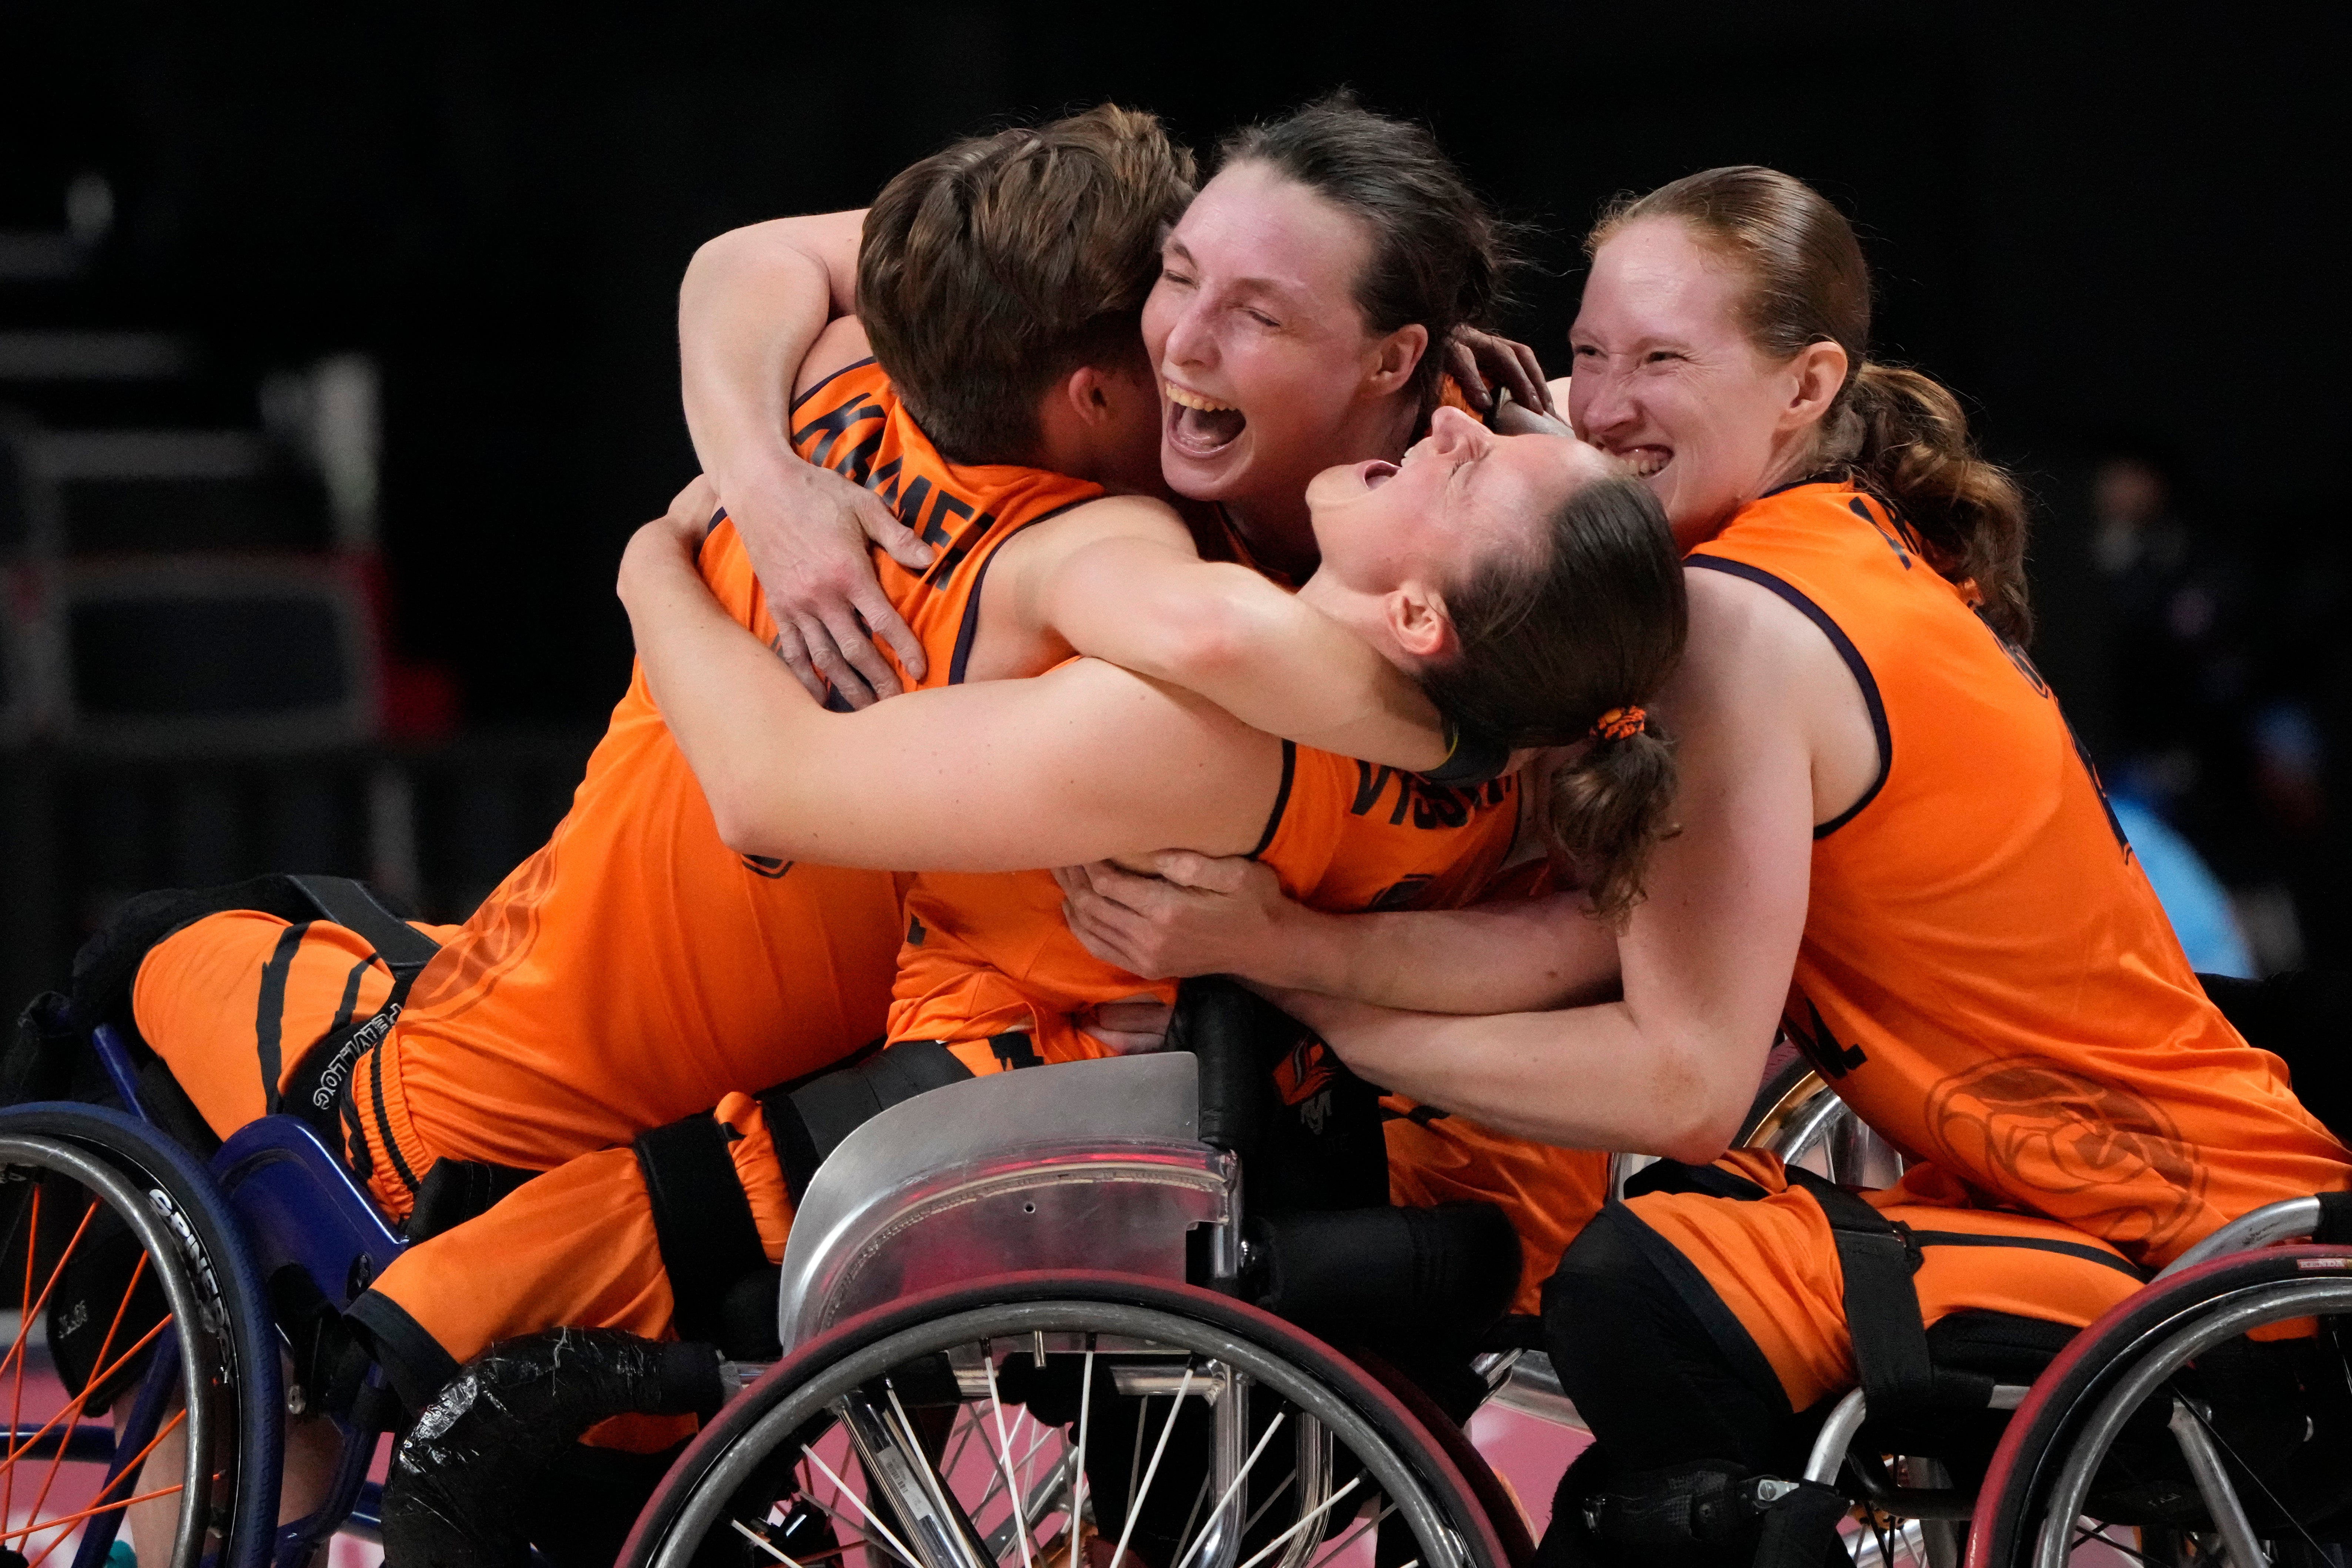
x,y
1368,1427
119,1192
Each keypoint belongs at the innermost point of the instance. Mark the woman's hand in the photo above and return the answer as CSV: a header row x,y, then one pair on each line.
x,y
1199,916
1481,361
806,530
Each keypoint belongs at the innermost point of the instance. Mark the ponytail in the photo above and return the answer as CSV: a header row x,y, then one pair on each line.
x,y
1914,452
1897,434
1607,809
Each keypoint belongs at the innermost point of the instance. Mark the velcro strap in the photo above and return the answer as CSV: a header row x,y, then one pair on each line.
x,y
1882,1304
808,1120
701,1218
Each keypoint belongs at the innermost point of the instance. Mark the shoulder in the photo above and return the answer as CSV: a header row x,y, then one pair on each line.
x,y
1058,537
841,345
1754,649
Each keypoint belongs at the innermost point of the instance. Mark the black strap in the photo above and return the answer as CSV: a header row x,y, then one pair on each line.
x,y
454,1191
1882,1304
351,905
808,1118
321,1078
701,1218
2334,1228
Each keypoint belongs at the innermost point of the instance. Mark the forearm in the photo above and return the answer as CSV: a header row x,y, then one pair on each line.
x,y
1507,956
1589,1078
1273,662
753,301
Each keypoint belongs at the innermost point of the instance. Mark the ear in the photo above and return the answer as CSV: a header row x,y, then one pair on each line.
x,y
1417,619
1819,371
1091,394
1394,357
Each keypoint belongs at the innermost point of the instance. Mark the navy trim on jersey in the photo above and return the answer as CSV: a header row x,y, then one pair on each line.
x,y
855,365
2034,1243
970,627
1282,798
1846,651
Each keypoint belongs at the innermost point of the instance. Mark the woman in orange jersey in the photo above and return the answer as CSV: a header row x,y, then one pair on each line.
x,y
1892,847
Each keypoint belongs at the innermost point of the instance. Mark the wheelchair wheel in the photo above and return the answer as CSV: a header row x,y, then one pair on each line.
x,y
142,1374
2141,1372
1065,1421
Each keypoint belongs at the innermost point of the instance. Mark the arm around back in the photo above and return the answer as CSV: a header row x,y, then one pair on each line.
x,y
1087,761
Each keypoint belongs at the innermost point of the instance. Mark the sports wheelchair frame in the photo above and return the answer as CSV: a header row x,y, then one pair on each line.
x,y
987,1291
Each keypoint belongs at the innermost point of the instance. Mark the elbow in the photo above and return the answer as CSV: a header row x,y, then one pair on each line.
x,y
1210,647
1700,1114
747,829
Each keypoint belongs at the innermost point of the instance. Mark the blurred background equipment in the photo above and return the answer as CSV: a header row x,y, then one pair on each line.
x,y
338,359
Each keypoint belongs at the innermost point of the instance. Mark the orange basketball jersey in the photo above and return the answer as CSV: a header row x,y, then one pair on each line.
x,y
853,422
636,968
988,955
1985,975
635,962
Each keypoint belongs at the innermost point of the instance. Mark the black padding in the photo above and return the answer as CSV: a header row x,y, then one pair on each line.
x,y
1801,1531
2002,1346
465,1475
1662,1379
701,1218
1219,1023
748,1325
1389,1277
454,1191
2334,1228
808,1120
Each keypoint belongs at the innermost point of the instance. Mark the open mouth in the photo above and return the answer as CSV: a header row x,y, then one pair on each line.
x,y
1200,426
1644,461
1376,473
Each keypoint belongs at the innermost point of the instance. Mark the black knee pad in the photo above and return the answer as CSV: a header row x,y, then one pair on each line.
x,y
90,1293
810,1116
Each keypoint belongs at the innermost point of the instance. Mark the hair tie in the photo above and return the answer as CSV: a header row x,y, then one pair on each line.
x,y
1621,722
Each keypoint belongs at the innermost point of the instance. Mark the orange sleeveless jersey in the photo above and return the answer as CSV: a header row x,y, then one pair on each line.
x,y
989,955
1985,974
853,422
635,962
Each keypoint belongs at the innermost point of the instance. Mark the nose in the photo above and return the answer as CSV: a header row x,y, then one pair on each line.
x,y
1599,400
1190,341
1453,432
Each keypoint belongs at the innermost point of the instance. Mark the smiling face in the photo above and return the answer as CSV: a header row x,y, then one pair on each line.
x,y
1667,378
1393,535
1267,371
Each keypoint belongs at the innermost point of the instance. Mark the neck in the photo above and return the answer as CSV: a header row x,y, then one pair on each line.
x,y
1274,523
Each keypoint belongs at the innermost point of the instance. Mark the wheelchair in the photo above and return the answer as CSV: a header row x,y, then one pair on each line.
x,y
1009,1335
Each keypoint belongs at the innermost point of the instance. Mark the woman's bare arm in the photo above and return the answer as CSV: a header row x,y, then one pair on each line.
x,y
1086,762
752,303
1202,916
1120,580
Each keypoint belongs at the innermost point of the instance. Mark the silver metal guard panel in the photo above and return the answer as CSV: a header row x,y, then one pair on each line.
x,y
1087,1165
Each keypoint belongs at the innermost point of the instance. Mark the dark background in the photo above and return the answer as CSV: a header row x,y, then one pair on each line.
x,y
2102,225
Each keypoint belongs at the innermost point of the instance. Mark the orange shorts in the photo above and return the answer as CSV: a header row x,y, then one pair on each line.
x,y
1774,1263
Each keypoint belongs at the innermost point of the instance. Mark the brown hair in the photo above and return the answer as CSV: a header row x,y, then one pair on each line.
x,y
1591,618
994,268
1439,256
1894,432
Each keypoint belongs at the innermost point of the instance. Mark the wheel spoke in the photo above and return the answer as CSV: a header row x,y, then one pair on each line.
x,y
1238,1481
1078,1464
1004,1455
841,1489
1332,1553
1310,1517
762,1543
1135,1506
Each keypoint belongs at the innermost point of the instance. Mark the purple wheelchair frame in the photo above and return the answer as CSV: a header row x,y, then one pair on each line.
x,y
296,1203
